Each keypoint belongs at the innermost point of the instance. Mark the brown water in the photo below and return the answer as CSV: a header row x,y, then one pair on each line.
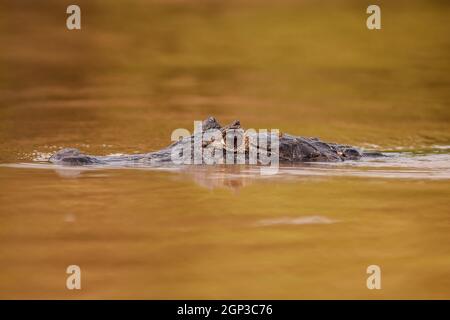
x,y
135,72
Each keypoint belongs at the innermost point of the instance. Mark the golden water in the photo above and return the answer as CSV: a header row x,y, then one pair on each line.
x,y
135,72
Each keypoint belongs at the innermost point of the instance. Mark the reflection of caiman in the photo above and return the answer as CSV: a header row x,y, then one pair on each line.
x,y
291,149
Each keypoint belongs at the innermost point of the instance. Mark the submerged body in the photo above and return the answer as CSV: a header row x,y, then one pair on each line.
x,y
291,149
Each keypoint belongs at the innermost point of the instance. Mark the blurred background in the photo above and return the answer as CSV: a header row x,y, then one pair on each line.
x,y
138,69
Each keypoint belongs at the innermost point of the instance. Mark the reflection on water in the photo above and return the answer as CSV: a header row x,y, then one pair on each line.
x,y
161,234
139,69
294,221
399,165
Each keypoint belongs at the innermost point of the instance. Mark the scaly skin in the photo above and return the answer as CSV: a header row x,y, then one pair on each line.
x,y
292,149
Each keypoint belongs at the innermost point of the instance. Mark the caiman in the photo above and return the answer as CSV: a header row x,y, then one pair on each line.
x,y
292,149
